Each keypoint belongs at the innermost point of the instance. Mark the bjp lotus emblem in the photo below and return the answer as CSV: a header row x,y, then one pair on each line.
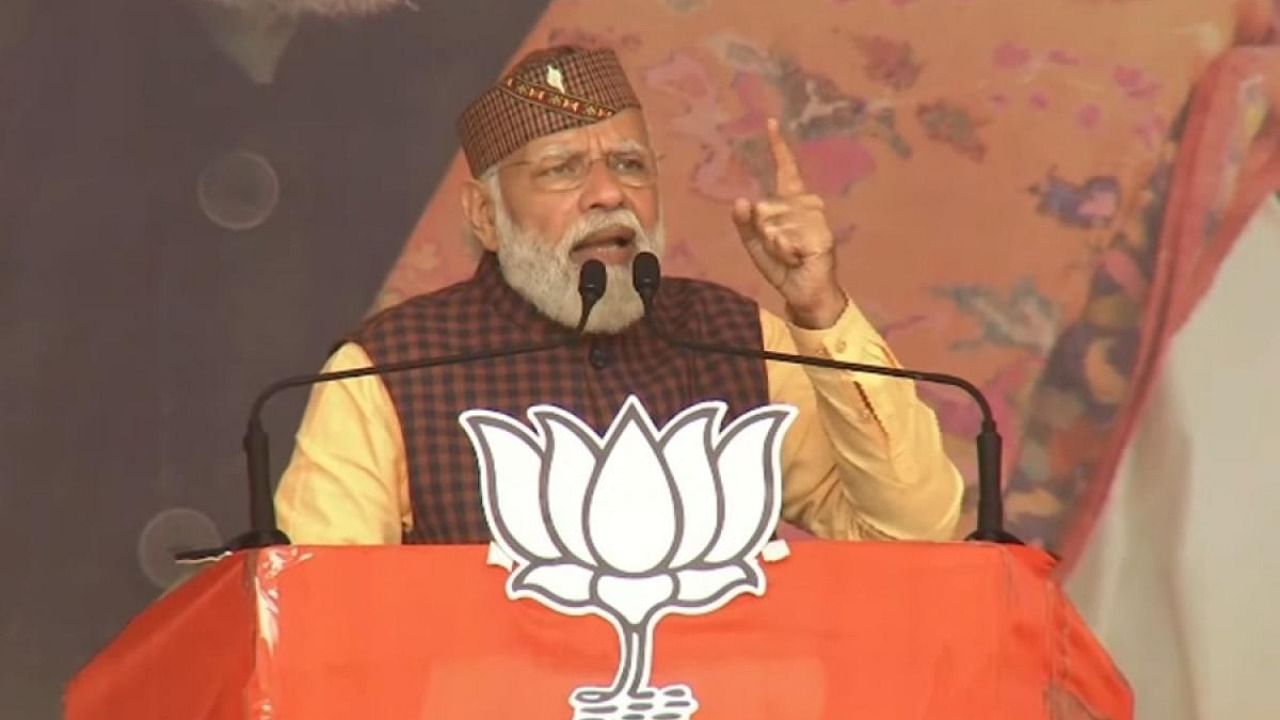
x,y
632,526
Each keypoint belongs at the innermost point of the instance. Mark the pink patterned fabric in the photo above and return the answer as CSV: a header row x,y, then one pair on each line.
x,y
1037,208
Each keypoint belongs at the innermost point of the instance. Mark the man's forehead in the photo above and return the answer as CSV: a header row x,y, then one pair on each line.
x,y
624,131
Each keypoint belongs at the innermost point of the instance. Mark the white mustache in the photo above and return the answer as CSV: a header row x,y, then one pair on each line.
x,y
596,221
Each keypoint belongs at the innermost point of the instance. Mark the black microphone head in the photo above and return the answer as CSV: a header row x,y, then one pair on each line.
x,y
591,281
645,276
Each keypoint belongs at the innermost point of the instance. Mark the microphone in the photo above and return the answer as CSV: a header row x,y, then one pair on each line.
x,y
264,531
646,276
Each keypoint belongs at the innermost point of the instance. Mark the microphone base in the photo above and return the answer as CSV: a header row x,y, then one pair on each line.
x,y
258,539
993,536
249,540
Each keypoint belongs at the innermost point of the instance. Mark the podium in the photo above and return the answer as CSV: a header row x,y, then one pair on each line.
x,y
845,630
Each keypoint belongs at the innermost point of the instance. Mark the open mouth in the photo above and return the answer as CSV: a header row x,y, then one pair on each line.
x,y
611,246
611,238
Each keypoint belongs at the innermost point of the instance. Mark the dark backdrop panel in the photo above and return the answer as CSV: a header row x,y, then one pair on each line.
x,y
149,285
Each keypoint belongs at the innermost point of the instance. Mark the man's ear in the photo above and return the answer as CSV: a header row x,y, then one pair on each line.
x,y
479,210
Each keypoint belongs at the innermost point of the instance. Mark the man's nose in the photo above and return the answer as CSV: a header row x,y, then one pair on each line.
x,y
600,189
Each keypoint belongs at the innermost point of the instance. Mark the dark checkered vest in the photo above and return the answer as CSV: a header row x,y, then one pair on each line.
x,y
591,379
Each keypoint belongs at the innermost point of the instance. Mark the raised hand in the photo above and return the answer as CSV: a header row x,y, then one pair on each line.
x,y
788,237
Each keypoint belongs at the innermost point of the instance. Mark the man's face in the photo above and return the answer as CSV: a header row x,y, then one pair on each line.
x,y
560,181
584,194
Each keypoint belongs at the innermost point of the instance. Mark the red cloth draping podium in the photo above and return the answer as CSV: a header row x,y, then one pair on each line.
x,y
845,630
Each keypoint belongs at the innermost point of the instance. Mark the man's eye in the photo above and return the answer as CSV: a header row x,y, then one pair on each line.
x,y
630,163
558,169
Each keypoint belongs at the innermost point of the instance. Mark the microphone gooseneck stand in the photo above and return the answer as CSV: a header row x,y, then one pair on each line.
x,y
646,278
263,531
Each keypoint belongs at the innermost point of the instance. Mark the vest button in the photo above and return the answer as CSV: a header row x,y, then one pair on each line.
x,y
599,357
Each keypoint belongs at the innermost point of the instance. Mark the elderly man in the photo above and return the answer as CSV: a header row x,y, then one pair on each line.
x,y
564,172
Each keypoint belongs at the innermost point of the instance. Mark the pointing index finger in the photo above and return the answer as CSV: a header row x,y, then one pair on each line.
x,y
787,181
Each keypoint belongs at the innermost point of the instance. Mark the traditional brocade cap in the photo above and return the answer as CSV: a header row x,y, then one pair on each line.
x,y
546,92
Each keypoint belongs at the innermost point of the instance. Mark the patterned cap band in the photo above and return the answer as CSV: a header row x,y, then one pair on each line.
x,y
548,91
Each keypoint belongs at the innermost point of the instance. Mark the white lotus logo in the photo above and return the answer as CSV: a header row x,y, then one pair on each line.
x,y
632,526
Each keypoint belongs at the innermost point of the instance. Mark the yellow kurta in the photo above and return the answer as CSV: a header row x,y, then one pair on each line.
x,y
863,458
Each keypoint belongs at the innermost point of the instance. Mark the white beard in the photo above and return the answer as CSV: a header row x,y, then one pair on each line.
x,y
543,273
331,8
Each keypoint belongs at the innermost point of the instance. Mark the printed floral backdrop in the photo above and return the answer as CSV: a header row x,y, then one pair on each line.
x,y
1032,195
